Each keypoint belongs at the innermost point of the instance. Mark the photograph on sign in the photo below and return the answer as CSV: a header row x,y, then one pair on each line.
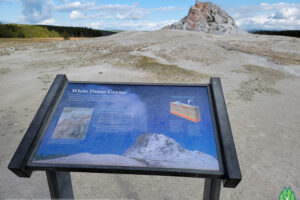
x,y
73,123
128,125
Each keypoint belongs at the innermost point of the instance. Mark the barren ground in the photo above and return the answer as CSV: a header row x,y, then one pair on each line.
x,y
260,77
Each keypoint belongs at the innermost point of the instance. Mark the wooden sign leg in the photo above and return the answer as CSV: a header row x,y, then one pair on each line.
x,y
60,185
212,188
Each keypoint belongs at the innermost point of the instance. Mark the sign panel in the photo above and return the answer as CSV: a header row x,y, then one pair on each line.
x,y
131,125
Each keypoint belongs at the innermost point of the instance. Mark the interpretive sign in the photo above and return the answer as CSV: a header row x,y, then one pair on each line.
x,y
131,125
180,130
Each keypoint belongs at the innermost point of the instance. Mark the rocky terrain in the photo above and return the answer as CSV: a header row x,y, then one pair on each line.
x,y
260,78
207,17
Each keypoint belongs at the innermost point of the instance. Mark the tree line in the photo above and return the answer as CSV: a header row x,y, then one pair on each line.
x,y
45,31
290,33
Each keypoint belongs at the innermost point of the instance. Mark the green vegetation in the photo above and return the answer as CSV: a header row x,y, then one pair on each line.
x,y
160,70
77,31
25,31
66,36
290,33
45,31
151,64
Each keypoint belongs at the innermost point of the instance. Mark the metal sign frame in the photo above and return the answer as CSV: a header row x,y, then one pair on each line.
x,y
58,175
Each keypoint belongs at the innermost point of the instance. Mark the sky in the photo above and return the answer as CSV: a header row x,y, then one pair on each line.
x,y
117,122
146,15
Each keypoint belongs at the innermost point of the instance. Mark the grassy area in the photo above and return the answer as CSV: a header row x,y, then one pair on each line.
x,y
261,80
25,31
45,31
162,71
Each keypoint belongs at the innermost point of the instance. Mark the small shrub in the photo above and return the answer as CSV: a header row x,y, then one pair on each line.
x,y
66,36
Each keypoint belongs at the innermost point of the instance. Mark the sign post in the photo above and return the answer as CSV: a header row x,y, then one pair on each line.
x,y
130,128
60,185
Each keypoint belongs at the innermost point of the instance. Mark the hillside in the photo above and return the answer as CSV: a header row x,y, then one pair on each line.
x,y
46,31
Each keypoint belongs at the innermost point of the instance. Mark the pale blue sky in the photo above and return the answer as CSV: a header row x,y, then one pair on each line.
x,y
145,15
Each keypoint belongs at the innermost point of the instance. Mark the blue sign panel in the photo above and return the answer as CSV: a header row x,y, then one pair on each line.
x,y
129,125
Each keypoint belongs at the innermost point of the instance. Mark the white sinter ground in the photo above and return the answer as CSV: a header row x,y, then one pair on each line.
x,y
260,79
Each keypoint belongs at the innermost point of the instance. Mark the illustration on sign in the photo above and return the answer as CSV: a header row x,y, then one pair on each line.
x,y
186,111
139,126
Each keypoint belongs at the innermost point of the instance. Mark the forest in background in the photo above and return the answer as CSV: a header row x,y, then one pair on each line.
x,y
290,33
47,31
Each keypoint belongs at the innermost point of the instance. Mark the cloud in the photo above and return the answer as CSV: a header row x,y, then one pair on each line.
x,y
167,8
131,25
286,13
76,14
121,12
268,16
48,22
77,5
132,14
36,11
79,15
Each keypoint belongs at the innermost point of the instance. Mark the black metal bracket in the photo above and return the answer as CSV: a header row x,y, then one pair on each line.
x,y
231,164
22,154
